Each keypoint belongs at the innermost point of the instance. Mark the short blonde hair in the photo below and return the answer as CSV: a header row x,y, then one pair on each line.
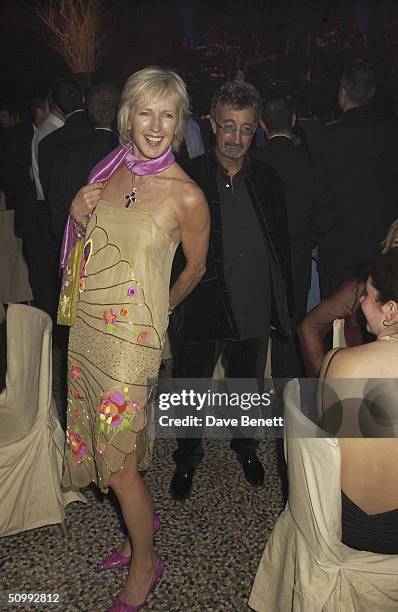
x,y
154,83
392,232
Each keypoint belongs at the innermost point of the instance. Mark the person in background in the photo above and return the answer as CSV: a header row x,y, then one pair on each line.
x,y
192,145
369,479
54,120
308,217
229,313
347,503
69,101
360,156
15,166
344,304
16,179
76,159
7,118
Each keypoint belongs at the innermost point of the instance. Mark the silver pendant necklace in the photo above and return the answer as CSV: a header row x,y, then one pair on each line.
x,y
132,197
388,338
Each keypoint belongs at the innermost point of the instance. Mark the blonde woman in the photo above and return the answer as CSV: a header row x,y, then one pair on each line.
x,y
139,206
391,239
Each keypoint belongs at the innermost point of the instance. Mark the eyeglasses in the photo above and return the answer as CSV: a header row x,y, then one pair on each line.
x,y
230,129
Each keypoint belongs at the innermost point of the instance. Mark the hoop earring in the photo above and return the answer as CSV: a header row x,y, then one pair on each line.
x,y
386,324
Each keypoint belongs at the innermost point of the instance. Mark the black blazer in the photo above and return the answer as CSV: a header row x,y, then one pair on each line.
x,y
70,172
76,128
307,204
360,154
16,160
206,314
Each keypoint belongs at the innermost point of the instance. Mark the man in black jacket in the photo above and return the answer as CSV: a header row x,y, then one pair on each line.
x,y
76,160
69,101
360,154
308,215
15,167
243,290
20,191
77,126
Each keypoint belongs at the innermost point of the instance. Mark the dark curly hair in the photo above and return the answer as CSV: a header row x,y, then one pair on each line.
x,y
384,276
238,95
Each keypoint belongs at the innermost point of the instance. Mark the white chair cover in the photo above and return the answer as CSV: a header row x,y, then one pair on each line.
x,y
31,438
14,281
305,567
339,340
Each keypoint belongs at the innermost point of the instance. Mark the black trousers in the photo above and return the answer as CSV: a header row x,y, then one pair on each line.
x,y
42,257
286,357
244,359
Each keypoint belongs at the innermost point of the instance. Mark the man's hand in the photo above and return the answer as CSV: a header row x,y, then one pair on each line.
x,y
84,202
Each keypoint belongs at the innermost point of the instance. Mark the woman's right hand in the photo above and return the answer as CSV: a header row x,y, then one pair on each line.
x,y
84,202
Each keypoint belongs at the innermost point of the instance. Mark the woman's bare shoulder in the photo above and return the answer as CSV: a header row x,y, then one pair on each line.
x,y
187,193
184,192
362,361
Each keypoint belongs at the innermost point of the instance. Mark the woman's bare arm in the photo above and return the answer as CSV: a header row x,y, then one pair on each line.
x,y
194,222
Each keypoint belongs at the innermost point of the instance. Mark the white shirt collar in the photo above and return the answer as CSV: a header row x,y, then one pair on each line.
x,y
103,128
78,110
280,136
57,121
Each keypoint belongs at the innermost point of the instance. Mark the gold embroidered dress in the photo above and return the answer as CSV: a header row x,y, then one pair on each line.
x,y
115,343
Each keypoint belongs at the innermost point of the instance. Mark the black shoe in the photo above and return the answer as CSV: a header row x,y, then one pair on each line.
x,y
181,483
252,468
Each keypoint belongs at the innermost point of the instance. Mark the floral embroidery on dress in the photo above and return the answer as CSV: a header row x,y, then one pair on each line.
x,y
117,411
124,312
77,447
109,318
100,448
131,292
142,336
76,393
75,372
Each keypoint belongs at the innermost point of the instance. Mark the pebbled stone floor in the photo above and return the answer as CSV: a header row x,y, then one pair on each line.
x,y
211,543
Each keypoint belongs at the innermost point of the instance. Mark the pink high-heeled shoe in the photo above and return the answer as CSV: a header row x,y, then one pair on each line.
x,y
121,606
117,559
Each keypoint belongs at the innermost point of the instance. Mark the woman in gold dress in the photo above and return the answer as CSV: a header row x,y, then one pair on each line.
x,y
131,219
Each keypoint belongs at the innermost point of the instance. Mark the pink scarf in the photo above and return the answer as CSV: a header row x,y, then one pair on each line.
x,y
103,171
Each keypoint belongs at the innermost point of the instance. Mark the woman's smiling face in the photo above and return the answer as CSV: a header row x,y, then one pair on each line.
x,y
152,127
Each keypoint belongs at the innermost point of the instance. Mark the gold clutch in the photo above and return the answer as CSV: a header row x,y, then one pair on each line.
x,y
68,298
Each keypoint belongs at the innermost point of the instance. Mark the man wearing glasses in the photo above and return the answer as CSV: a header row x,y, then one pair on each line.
x,y
230,312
